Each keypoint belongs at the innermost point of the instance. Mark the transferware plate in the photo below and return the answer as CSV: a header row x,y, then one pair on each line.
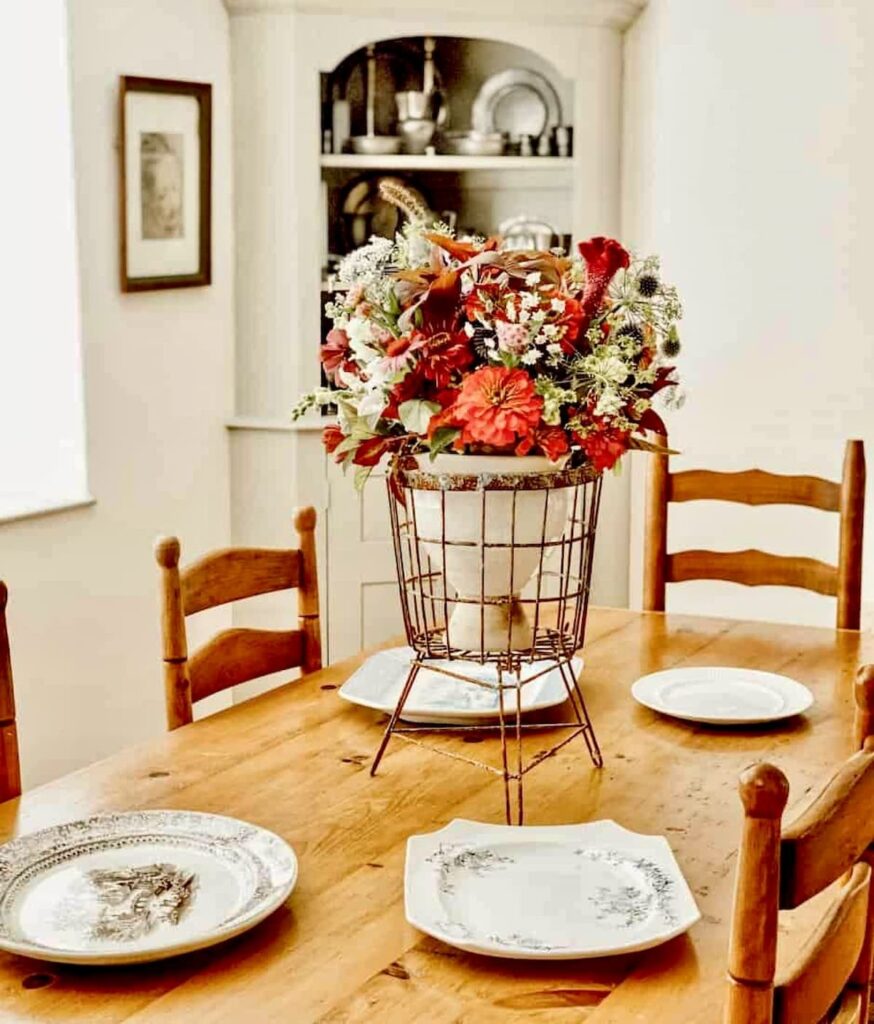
x,y
437,699
138,886
722,696
555,892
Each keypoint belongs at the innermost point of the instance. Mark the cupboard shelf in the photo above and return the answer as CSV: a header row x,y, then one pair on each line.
x,y
445,162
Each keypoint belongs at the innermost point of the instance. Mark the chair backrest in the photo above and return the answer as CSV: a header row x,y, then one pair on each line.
x,y
781,867
752,567
235,656
10,768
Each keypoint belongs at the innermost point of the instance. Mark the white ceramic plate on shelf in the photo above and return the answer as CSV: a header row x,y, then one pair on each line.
x,y
438,699
555,892
138,886
722,696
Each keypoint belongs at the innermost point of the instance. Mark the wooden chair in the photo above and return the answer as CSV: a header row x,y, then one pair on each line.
x,y
783,867
10,767
751,567
235,655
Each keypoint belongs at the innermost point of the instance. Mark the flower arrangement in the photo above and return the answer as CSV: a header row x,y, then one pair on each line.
x,y
440,344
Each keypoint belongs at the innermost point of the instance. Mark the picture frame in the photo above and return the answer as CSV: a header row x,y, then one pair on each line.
x,y
165,183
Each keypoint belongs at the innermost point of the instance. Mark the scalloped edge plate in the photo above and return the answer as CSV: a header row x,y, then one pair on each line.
x,y
645,901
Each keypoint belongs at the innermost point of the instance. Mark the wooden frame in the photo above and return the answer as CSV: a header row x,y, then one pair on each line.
x,y
202,93
781,867
10,768
752,567
236,655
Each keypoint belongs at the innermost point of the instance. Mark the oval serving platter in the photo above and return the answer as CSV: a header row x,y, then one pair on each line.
x,y
722,696
138,886
436,698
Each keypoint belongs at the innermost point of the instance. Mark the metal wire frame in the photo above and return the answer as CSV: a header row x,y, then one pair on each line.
x,y
559,545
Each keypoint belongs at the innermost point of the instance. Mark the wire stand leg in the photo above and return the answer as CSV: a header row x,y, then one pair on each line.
x,y
581,711
396,714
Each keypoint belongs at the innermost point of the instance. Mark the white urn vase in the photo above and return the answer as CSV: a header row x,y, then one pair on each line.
x,y
488,544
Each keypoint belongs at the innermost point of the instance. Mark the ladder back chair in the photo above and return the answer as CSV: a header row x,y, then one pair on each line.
x,y
752,567
235,656
10,768
783,866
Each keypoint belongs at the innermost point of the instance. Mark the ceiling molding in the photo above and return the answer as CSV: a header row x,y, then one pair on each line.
x,y
614,13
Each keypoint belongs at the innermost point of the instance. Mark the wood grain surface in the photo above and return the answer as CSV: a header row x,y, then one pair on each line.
x,y
296,761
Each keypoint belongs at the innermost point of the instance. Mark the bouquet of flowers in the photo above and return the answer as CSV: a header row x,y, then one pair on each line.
x,y
440,344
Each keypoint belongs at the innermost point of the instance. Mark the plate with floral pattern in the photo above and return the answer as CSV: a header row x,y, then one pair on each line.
x,y
436,698
556,892
138,886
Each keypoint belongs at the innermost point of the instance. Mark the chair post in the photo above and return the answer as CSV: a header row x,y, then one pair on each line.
x,y
863,723
852,511
177,688
10,769
655,551
308,590
752,953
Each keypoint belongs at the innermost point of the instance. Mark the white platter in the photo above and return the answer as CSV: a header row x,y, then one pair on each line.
x,y
440,699
722,696
138,886
555,892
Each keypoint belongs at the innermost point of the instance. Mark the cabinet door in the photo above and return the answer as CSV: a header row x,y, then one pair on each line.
x,y
363,604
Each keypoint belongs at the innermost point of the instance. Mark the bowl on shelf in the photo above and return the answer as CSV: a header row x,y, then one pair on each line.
x,y
376,145
473,143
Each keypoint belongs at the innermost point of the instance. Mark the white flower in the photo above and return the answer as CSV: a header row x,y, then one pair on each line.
x,y
524,316
533,279
551,331
553,348
530,357
511,310
558,305
610,369
530,300
609,404
469,330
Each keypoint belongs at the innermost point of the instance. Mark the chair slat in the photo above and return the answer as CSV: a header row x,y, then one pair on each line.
x,y
823,967
850,1009
753,568
237,655
831,834
237,573
755,487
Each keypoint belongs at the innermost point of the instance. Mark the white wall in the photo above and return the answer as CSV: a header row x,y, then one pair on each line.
x,y
748,162
83,611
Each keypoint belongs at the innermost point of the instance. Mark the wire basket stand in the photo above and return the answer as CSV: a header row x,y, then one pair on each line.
x,y
494,570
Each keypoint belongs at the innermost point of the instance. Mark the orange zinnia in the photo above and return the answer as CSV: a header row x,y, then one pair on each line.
x,y
496,406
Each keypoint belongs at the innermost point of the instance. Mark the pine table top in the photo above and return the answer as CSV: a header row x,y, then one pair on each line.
x,y
296,761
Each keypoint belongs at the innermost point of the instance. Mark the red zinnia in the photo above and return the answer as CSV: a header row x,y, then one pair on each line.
x,y
603,256
496,406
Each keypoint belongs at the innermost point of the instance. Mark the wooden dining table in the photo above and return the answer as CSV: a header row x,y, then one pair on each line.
x,y
296,760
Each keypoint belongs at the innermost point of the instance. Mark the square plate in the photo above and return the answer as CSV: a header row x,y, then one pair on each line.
x,y
555,892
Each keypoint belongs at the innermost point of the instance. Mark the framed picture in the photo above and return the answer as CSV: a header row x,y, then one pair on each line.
x,y
166,173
